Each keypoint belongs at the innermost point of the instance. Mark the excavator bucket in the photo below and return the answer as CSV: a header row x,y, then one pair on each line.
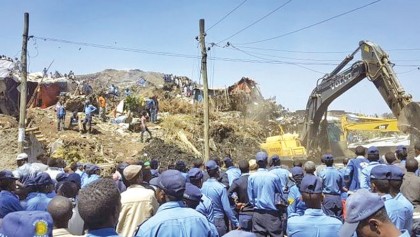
x,y
409,119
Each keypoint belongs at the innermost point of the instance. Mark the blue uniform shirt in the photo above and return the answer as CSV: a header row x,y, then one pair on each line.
x,y
174,219
89,109
353,172
87,180
283,174
364,177
37,202
233,173
396,211
262,189
296,204
314,223
332,181
8,203
109,232
218,194
409,210
206,208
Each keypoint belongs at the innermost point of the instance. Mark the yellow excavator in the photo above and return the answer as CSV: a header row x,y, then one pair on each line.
x,y
374,65
361,123
285,145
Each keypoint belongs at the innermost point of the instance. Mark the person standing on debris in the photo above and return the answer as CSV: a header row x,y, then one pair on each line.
x,y
143,126
89,109
61,115
102,107
74,119
154,109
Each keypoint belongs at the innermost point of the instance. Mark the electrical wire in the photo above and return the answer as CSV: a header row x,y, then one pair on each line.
x,y
255,22
312,25
221,19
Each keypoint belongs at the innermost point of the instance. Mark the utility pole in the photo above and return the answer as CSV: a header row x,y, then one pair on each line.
x,y
205,90
23,85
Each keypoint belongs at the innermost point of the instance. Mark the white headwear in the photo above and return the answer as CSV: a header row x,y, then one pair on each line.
x,y
22,156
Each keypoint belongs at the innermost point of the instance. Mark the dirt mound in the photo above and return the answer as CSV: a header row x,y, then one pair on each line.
x,y
165,153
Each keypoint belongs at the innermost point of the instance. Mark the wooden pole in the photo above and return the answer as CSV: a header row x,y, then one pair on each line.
x,y
23,85
205,90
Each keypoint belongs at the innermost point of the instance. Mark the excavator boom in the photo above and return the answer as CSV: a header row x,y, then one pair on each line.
x,y
375,65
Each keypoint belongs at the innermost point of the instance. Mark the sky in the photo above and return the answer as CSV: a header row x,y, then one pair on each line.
x,y
310,39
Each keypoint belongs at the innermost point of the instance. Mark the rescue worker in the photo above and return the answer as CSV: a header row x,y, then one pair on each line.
x,y
89,109
102,107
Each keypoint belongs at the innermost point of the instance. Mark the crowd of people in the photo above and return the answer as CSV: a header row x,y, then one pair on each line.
x,y
370,196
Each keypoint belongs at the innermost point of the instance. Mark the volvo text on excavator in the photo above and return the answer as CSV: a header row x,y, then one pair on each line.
x,y
374,65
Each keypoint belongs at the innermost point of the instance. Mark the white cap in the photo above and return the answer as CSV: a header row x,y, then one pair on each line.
x,y
22,156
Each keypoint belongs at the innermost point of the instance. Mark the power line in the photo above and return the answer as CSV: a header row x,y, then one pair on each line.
x,y
312,25
296,51
242,3
255,22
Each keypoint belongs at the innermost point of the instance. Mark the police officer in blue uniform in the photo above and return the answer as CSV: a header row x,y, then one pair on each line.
x,y
9,202
263,188
314,222
332,183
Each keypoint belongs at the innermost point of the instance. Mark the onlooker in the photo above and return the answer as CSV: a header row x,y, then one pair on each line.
x,y
410,189
313,222
99,206
137,203
9,202
239,192
354,169
218,194
367,216
263,188
172,217
181,167
391,159
309,167
401,153
61,115
27,223
154,168
93,173
60,209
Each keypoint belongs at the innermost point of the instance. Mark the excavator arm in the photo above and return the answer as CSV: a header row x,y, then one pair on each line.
x,y
375,66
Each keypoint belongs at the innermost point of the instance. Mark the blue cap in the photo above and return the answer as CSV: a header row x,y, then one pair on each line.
x,y
61,177
43,178
360,206
192,192
172,182
195,174
311,184
380,172
327,157
228,161
261,156
211,165
154,182
400,149
27,223
7,174
90,168
296,171
275,158
29,181
396,173
373,150
75,178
